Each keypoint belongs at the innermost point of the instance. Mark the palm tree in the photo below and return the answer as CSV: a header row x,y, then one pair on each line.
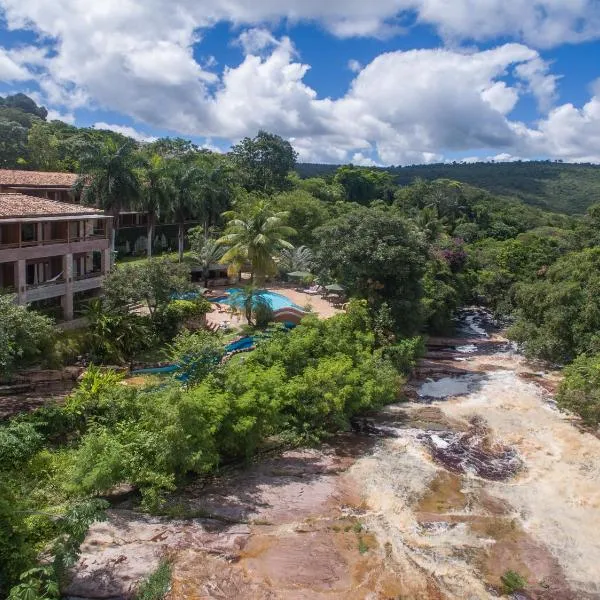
x,y
109,179
184,196
256,236
250,299
295,259
208,253
155,194
216,187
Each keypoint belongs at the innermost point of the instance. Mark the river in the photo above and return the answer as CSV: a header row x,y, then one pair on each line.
x,y
435,498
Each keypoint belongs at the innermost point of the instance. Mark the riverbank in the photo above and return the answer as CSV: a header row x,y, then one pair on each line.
x,y
437,498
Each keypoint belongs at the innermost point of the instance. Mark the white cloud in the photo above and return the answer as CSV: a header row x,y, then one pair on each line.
x,y
569,133
354,66
125,130
138,58
358,158
10,69
254,40
55,115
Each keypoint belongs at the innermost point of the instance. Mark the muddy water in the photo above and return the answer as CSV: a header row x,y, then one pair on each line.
x,y
437,500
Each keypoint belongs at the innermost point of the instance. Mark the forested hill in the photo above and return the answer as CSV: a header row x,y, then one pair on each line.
x,y
559,187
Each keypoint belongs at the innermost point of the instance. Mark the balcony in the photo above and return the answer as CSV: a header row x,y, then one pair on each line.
x,y
46,289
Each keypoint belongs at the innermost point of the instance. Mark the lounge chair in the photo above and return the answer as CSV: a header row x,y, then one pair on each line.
x,y
314,290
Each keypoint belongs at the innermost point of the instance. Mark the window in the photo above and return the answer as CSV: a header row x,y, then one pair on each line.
x,y
28,232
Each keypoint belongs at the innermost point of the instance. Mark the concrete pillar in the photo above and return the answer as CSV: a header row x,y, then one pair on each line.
x,y
105,261
40,233
21,281
67,299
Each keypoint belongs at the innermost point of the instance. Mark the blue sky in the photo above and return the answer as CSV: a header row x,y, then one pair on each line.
x,y
387,82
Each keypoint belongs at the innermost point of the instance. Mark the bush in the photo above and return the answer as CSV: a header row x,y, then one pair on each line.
x,y
157,585
579,391
512,582
25,336
303,385
405,354
196,354
263,314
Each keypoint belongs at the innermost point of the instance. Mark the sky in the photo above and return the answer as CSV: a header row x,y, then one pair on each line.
x,y
380,82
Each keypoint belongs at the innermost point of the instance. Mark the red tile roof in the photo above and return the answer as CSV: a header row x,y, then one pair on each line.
x,y
22,206
10,177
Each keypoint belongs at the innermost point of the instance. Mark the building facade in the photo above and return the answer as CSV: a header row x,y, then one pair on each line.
x,y
52,252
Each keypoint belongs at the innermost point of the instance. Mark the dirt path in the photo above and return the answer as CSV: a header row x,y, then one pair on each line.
x,y
437,500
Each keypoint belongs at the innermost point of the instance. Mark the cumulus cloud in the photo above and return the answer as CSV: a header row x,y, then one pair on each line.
x,y
125,130
56,115
11,69
138,58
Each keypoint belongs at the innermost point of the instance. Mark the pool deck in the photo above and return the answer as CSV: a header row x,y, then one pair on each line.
x,y
320,306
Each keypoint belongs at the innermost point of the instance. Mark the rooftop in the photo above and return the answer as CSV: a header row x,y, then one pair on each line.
x,y
14,206
36,178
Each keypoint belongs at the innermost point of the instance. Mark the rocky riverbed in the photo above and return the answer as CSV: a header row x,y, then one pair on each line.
x,y
435,498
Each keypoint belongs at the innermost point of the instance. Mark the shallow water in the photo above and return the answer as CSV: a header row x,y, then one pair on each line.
x,y
431,501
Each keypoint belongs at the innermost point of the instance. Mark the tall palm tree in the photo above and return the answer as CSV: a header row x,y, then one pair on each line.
x,y
255,235
216,186
109,179
154,195
184,196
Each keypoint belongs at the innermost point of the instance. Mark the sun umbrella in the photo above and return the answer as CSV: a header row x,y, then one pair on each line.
x,y
334,287
299,274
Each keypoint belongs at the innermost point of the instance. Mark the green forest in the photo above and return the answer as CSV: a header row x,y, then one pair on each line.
x,y
552,186
409,247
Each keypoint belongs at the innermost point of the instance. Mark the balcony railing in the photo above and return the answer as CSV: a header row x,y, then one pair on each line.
x,y
48,283
90,275
29,244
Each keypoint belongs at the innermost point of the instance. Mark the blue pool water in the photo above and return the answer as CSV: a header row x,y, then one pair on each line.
x,y
276,300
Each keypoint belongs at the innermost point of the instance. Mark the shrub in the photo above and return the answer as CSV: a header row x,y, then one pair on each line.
x,y
25,335
196,354
405,354
579,391
512,582
156,585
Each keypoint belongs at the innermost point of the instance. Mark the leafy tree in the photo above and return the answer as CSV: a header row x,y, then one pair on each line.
x,y
255,234
319,188
264,161
378,255
579,391
305,214
13,144
173,148
44,147
152,281
110,178
363,185
558,315
25,335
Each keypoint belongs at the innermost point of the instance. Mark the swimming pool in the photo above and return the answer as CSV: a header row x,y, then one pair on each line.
x,y
276,301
